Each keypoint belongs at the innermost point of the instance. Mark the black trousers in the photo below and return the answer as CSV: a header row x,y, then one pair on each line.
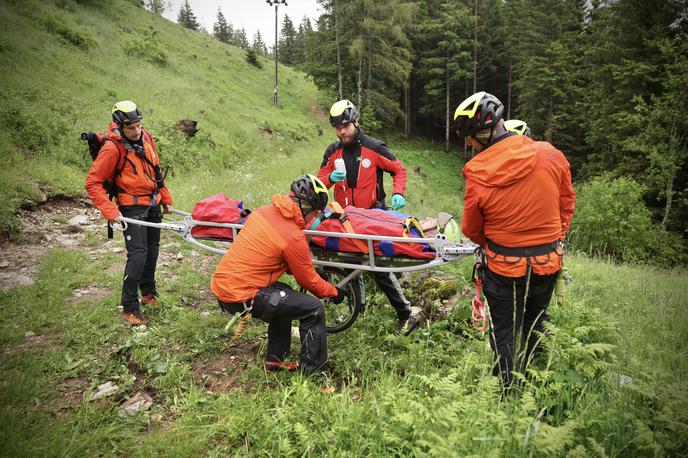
x,y
143,246
389,285
278,305
516,319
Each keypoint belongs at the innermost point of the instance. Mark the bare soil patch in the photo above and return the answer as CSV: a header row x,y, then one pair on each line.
x,y
58,223
220,373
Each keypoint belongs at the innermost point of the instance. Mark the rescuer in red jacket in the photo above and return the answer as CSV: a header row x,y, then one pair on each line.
x,y
129,162
518,206
355,166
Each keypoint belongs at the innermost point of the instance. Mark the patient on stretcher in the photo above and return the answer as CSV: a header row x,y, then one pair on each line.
x,y
349,220
376,222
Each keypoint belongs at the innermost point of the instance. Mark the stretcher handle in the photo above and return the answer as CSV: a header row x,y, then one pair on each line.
x,y
121,227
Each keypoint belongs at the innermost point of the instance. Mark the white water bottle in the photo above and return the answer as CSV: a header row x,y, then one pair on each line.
x,y
339,165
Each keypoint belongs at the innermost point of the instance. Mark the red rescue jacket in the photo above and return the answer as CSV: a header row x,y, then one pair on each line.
x,y
366,159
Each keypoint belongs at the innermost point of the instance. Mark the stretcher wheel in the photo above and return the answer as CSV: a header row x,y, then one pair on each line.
x,y
339,317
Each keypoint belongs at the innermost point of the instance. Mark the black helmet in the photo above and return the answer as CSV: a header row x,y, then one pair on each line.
x,y
343,112
126,112
478,112
310,189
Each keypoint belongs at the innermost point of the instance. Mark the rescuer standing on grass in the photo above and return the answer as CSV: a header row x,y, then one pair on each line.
x,y
518,206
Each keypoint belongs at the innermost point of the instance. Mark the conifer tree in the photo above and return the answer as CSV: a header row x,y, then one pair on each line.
x,y
239,39
302,42
222,31
444,42
287,42
252,58
186,17
258,44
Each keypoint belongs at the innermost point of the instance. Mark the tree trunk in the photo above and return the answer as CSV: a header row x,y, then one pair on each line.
x,y
360,83
508,101
407,107
475,50
369,81
550,120
340,90
674,143
669,196
446,104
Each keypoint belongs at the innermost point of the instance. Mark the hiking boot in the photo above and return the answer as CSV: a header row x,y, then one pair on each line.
x,y
406,325
277,366
148,299
135,318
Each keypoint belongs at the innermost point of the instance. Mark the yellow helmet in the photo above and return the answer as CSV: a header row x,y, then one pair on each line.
x,y
343,112
517,126
478,112
126,112
310,189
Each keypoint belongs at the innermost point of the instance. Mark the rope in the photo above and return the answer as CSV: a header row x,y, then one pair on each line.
x,y
478,316
240,328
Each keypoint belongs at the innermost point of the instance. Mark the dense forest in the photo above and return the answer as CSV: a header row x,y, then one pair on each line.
x,y
604,81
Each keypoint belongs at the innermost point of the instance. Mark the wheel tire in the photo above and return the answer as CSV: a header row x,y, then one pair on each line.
x,y
339,317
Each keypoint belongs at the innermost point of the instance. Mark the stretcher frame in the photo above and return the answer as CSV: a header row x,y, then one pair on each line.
x,y
340,268
446,251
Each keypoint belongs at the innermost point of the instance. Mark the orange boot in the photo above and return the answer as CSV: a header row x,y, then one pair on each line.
x,y
135,318
148,299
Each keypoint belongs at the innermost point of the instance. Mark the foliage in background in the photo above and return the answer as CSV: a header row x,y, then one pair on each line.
x,y
611,220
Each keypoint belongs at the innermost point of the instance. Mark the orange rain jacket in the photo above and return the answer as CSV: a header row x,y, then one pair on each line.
x,y
518,194
270,244
138,188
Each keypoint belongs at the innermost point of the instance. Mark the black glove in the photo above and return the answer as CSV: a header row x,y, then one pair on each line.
x,y
341,295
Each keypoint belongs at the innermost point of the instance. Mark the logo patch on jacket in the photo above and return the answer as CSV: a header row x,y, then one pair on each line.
x,y
365,163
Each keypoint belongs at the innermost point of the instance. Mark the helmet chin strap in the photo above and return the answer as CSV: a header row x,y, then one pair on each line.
x,y
489,140
304,209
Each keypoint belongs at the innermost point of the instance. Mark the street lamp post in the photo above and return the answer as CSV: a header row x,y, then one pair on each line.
x,y
275,96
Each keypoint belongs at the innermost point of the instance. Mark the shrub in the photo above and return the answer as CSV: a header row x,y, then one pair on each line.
x,y
611,219
252,58
147,48
72,34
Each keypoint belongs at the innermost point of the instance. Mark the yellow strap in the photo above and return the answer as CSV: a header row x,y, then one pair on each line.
x,y
410,223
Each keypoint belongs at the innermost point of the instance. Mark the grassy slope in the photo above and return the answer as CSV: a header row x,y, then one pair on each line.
x,y
430,393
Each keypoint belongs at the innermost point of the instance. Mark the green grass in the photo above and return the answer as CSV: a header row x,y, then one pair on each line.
x,y
429,393
62,65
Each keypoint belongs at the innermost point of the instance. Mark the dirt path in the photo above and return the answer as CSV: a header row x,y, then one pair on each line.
x,y
55,224
66,224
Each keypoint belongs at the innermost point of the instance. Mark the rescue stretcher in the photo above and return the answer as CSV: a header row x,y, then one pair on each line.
x,y
339,268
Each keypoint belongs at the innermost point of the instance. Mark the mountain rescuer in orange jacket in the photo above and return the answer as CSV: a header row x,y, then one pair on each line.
x,y
354,166
129,161
270,244
518,206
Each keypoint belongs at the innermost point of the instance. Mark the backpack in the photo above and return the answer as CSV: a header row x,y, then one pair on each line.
x,y
95,143
218,209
